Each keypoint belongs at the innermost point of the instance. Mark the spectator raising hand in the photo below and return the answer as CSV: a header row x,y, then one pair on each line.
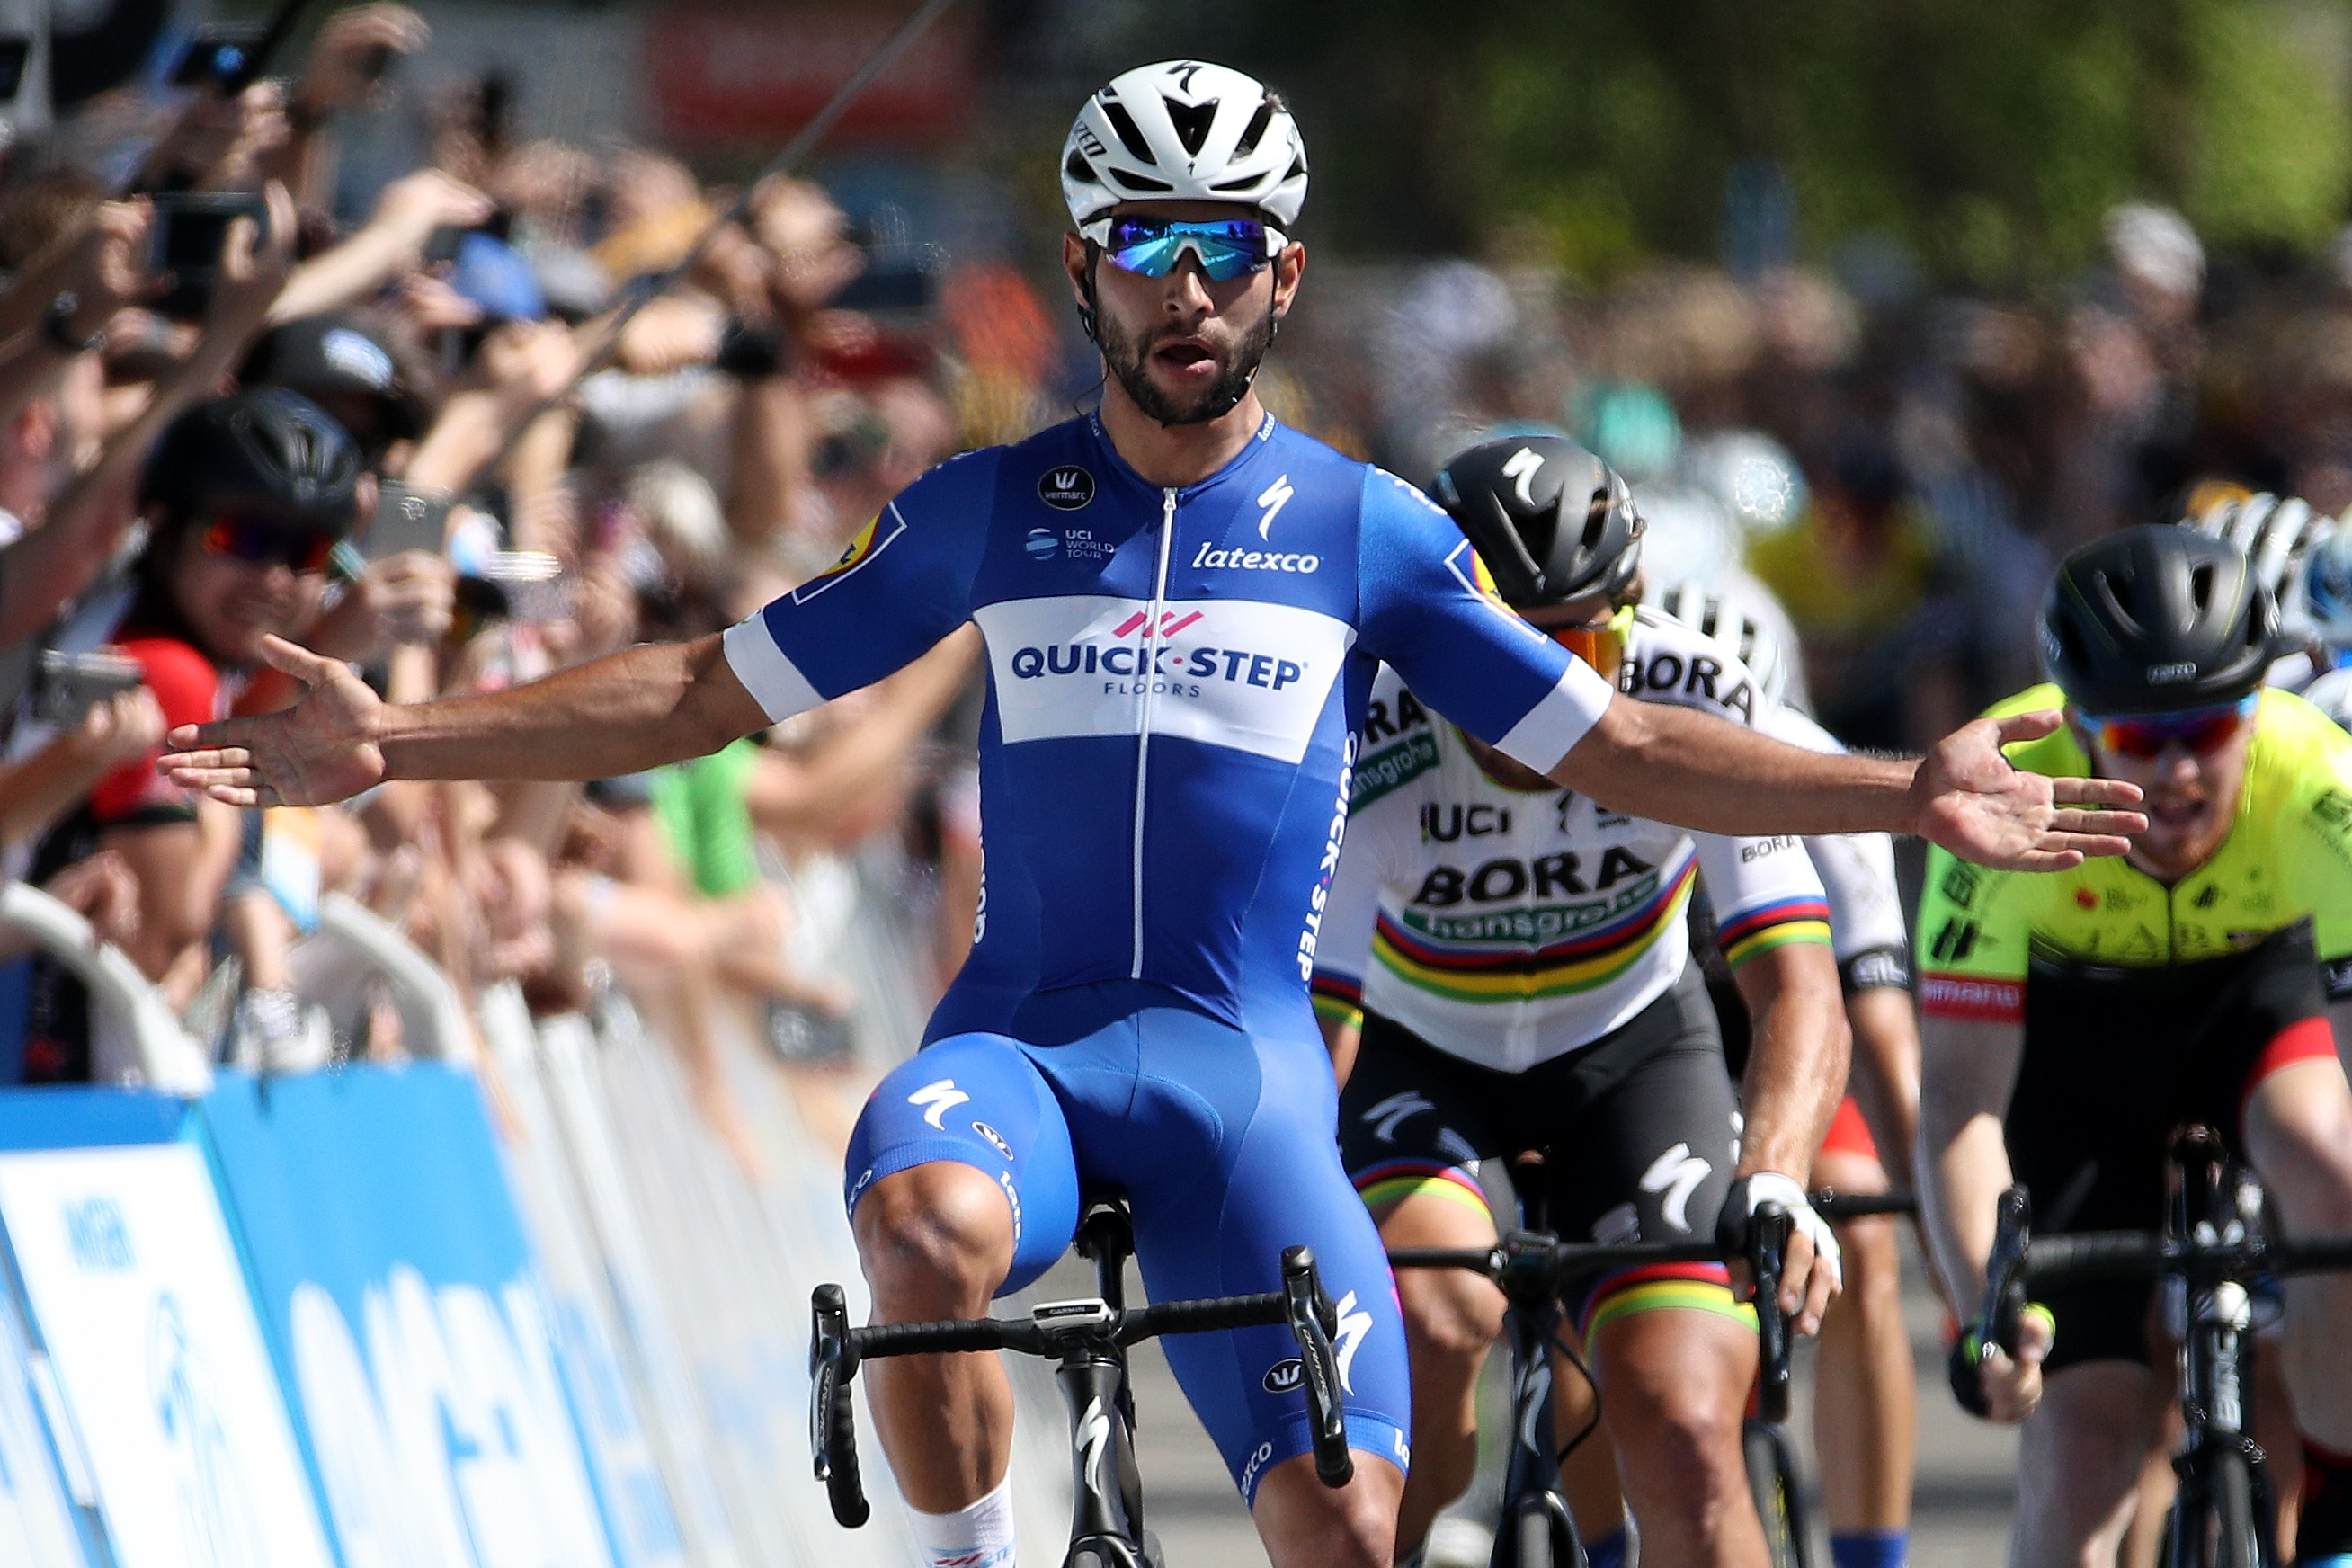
x,y
43,569
350,55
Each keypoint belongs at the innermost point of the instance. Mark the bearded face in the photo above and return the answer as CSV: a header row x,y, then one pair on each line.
x,y
1180,377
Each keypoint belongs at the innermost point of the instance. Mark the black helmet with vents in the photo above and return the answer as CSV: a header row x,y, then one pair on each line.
x,y
264,450
2156,618
1551,521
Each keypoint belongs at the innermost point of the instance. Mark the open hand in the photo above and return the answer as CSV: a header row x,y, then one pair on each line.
x,y
253,269
109,265
413,205
318,752
343,67
1969,799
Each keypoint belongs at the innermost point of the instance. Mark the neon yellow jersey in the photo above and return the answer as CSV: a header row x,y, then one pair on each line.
x,y
2288,855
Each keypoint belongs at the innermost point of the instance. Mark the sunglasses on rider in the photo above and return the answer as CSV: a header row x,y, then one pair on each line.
x,y
1150,246
1600,643
264,541
2142,737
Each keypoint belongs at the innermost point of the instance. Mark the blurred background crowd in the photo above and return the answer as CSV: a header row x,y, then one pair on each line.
x,y
308,330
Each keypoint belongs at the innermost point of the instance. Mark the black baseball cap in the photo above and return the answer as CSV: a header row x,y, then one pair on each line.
x,y
338,362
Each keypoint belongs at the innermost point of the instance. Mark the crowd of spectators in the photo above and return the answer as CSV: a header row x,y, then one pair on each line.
x,y
1901,465
425,442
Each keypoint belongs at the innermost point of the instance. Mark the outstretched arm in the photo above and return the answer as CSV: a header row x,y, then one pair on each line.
x,y
1673,765
628,711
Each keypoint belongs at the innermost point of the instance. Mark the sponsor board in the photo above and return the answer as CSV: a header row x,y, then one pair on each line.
x,y
163,1376
408,1319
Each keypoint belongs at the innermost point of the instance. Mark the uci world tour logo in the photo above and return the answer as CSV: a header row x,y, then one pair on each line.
x,y
1065,488
1042,545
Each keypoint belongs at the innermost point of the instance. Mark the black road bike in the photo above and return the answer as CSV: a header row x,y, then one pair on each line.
x,y
2214,1243
1532,1266
1087,1339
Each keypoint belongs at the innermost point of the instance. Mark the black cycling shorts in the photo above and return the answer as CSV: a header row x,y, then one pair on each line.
x,y
2114,1060
1639,1129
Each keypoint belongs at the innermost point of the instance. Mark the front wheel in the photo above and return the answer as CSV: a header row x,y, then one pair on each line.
x,y
1538,1533
1779,1499
2217,1520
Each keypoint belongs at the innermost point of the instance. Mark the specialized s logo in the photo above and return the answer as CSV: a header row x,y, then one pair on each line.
x,y
1676,1175
1525,464
1277,496
1094,1441
1067,489
1398,1108
1353,1326
937,1099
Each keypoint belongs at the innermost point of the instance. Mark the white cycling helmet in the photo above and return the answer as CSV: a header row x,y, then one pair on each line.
x,y
1184,131
1726,618
2279,537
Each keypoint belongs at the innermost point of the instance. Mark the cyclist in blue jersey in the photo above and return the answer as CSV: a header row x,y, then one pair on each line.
x,y
1183,604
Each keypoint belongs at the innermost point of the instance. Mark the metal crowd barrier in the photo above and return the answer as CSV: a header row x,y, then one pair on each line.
x,y
675,1276
136,1039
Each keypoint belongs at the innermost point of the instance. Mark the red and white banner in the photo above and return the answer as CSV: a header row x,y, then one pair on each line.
x,y
726,73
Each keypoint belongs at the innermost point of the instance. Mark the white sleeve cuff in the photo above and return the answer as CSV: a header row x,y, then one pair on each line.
x,y
773,680
1566,713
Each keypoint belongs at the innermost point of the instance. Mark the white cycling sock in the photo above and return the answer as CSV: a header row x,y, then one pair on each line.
x,y
979,1536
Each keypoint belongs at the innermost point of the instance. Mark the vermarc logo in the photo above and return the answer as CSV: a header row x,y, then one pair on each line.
x,y
1065,488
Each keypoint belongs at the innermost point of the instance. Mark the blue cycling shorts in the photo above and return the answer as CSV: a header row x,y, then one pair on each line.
x,y
1224,1144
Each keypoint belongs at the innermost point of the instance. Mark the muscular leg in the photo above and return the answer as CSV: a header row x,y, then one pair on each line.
x,y
2078,1464
2298,1126
935,1241
2299,1134
1451,1318
1865,1407
1588,1477
1306,1525
1674,1383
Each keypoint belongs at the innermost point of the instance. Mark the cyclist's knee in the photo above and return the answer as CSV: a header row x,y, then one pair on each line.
x,y
1675,1384
1448,1313
1304,1521
1872,1264
938,1234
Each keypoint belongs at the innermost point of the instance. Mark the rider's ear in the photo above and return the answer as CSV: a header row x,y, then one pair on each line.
x,y
1086,282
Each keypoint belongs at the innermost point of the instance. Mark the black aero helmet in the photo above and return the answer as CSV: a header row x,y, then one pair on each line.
x,y
1551,521
264,450
2155,618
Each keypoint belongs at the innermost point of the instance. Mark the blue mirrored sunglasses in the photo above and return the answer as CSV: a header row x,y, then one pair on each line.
x,y
1227,249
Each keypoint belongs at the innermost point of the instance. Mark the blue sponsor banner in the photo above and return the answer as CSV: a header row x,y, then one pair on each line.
x,y
83,1118
407,1316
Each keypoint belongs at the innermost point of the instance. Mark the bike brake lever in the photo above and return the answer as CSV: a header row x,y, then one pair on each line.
x,y
833,1414
1768,1248
2004,1297
1305,1303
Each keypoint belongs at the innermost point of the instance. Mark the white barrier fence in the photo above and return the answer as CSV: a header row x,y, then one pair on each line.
x,y
675,1279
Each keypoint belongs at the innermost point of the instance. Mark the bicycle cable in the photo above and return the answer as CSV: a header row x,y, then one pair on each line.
x,y
1592,1424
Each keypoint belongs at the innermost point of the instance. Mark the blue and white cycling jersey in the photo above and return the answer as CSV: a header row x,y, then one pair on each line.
x,y
1174,679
